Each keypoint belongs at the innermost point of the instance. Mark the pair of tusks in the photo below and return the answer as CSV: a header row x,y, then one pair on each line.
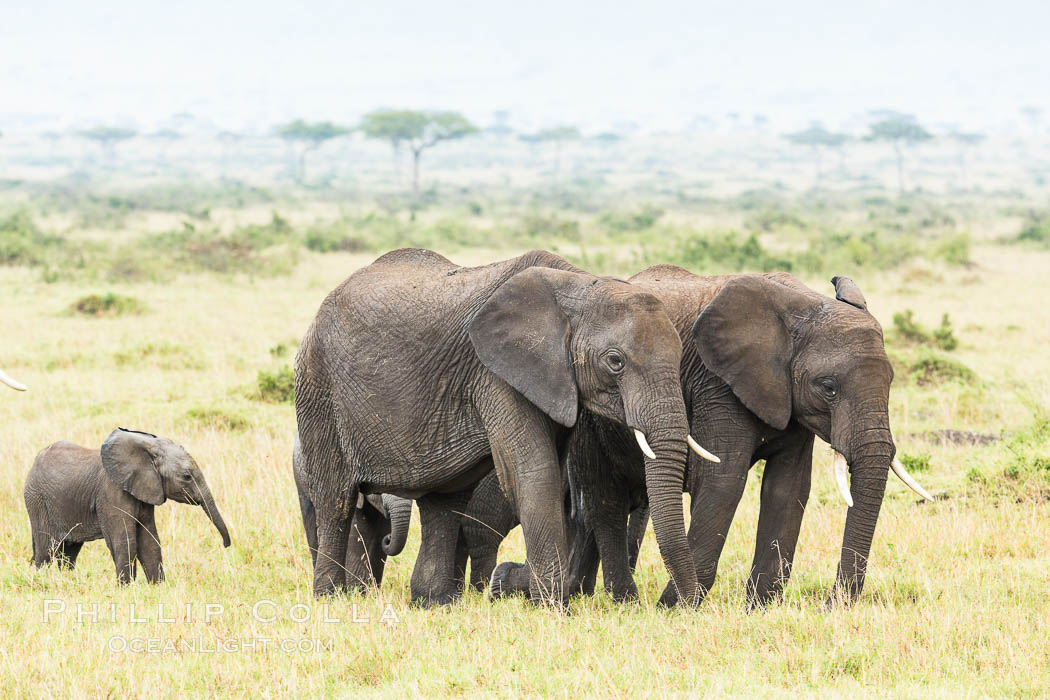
x,y
898,469
693,445
6,379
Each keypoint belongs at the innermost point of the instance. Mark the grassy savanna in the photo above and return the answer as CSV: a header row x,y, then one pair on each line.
x,y
187,333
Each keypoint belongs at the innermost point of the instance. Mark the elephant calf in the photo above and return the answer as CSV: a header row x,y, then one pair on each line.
x,y
75,494
379,528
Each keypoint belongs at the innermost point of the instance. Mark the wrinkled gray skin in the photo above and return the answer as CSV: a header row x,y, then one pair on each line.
x,y
417,375
5,378
75,494
768,364
379,528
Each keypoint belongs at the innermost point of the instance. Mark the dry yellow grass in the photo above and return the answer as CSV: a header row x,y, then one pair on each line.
x,y
955,605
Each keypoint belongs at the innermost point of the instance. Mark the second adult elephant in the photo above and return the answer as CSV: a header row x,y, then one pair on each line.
x,y
379,528
767,365
417,372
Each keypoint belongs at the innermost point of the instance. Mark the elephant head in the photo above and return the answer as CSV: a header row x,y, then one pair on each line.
x,y
154,469
564,339
6,379
790,354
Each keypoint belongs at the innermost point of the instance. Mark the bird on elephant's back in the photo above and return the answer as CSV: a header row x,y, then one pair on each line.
x,y
418,377
767,365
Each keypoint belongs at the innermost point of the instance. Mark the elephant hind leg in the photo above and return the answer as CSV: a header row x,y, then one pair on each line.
x,y
43,548
332,498
310,525
66,554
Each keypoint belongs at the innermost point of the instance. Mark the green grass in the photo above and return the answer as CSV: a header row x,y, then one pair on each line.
x,y
955,603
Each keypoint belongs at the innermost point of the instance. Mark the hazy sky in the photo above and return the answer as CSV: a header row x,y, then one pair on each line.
x,y
251,64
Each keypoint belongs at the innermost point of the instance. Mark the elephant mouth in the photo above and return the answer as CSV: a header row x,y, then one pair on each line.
x,y
841,469
639,436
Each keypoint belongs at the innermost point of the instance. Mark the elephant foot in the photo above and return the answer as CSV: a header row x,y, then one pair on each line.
x,y
435,599
669,598
625,596
501,583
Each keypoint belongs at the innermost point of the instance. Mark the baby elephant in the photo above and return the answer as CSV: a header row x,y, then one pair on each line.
x,y
75,495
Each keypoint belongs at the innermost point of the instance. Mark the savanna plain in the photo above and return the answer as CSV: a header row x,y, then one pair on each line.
x,y
176,308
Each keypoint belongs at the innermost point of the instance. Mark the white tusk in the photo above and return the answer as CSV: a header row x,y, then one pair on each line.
x,y
640,437
840,478
695,447
6,379
904,476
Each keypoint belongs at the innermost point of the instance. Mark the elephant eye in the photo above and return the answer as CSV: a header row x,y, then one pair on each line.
x,y
615,361
830,386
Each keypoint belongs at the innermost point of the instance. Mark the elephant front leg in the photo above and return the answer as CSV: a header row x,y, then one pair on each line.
x,y
486,522
437,578
148,545
365,559
606,514
785,491
122,541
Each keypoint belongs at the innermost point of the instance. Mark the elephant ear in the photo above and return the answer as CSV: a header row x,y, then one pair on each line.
x,y
128,461
742,336
522,335
847,290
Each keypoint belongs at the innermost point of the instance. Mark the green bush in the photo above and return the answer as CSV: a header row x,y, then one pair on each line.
x,y
263,250
218,418
538,226
641,219
916,463
953,249
22,243
108,304
1036,230
909,330
932,369
276,387
726,252
334,239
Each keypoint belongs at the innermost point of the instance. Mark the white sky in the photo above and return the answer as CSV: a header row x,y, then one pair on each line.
x,y
251,64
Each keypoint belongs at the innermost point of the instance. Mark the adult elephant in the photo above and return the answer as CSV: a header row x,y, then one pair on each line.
x,y
6,379
379,528
418,375
767,365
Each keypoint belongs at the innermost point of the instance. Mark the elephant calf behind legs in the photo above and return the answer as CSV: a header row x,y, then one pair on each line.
x,y
378,529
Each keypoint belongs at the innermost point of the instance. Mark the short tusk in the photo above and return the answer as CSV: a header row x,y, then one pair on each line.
x,y
904,476
640,437
695,447
840,478
6,379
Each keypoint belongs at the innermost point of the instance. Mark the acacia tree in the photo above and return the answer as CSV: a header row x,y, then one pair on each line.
x,y
558,135
900,131
417,130
108,137
817,138
309,137
966,141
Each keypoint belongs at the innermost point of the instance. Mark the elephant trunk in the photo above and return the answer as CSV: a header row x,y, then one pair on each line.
x,y
869,465
665,435
207,502
399,510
